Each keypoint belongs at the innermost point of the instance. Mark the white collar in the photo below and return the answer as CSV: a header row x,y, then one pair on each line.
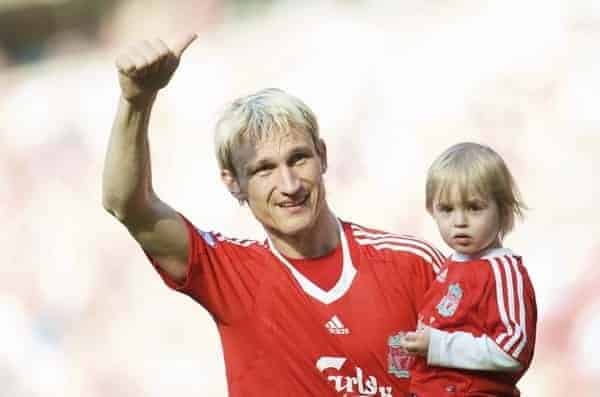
x,y
343,283
487,254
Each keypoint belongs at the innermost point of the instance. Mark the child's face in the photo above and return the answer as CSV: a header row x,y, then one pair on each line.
x,y
468,227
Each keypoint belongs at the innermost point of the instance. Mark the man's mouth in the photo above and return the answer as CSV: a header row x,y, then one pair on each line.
x,y
293,203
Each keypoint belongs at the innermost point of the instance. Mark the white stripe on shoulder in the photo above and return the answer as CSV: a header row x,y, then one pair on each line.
x,y
510,295
496,268
515,325
395,242
521,301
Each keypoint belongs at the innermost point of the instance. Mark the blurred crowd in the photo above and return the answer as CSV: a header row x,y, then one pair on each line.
x,y
394,83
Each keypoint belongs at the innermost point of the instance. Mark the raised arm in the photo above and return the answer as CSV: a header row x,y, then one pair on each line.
x,y
127,191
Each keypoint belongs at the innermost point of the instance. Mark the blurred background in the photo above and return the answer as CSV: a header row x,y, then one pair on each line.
x,y
394,82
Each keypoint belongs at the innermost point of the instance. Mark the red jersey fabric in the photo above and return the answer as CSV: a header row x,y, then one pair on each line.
x,y
323,271
490,296
282,335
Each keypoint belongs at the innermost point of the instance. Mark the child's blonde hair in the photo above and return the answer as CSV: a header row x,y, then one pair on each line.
x,y
257,116
476,169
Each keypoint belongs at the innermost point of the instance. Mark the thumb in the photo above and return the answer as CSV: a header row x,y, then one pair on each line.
x,y
181,42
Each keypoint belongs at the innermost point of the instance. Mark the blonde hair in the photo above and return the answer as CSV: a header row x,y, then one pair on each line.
x,y
258,116
476,168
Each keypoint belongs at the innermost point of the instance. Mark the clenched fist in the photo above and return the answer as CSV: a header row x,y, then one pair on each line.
x,y
146,67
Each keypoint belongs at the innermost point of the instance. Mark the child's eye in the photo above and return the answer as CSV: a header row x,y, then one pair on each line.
x,y
476,206
444,208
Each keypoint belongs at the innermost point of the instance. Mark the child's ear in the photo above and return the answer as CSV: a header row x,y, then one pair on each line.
x,y
233,185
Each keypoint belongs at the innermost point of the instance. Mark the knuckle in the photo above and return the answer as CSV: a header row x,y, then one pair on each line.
x,y
159,44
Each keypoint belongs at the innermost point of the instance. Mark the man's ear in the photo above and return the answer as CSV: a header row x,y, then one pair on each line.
x,y
322,151
232,184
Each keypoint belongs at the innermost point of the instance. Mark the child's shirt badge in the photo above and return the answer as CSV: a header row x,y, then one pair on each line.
x,y
449,303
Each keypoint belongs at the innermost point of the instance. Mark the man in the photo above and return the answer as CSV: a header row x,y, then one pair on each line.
x,y
316,309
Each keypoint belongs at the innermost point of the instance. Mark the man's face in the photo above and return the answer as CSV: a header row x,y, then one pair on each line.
x,y
281,177
469,227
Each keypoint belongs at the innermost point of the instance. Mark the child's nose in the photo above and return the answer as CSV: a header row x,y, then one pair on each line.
x,y
460,218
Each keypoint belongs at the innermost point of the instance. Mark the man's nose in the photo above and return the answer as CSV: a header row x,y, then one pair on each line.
x,y
289,182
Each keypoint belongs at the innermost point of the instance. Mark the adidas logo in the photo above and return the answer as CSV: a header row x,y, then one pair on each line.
x,y
336,327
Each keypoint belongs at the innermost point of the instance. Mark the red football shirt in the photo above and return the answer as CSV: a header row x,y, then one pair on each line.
x,y
283,335
491,296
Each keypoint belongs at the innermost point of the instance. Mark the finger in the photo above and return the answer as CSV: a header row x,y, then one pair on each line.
x,y
161,54
151,54
181,42
155,55
159,46
139,60
413,347
131,60
125,64
128,61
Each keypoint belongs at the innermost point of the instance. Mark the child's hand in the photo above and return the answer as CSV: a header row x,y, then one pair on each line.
x,y
417,342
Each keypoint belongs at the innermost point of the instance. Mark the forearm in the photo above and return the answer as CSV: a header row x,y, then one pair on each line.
x,y
127,177
464,350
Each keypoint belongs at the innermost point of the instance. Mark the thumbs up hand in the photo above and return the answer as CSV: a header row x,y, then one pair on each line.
x,y
148,66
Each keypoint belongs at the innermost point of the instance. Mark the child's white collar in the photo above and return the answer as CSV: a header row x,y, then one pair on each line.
x,y
487,254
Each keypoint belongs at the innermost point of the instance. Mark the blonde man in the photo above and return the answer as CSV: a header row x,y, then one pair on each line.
x,y
312,311
477,327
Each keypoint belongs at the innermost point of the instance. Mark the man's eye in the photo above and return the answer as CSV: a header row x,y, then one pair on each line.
x,y
298,159
264,171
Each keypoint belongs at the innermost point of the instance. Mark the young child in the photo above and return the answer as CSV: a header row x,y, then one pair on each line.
x,y
477,327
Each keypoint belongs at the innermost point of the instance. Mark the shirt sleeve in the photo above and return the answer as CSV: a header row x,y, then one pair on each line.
x,y
221,274
464,350
510,309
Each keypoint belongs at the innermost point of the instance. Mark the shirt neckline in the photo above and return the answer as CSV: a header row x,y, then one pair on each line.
x,y
487,254
310,288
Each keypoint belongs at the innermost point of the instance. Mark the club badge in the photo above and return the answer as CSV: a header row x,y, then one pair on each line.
x,y
399,360
449,303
